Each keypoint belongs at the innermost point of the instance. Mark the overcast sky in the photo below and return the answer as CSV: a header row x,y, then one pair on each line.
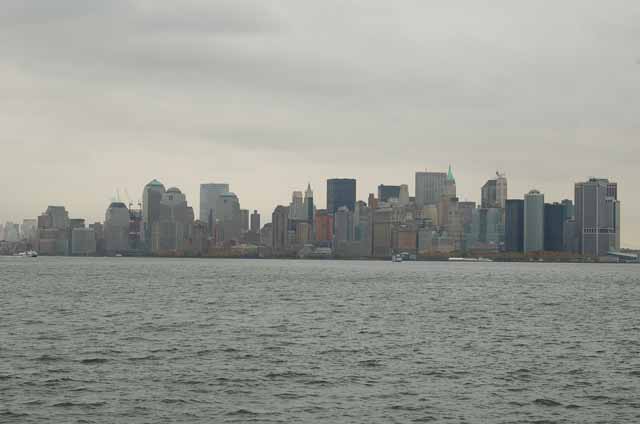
x,y
97,95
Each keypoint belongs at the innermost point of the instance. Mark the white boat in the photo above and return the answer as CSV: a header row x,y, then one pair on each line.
x,y
470,260
28,254
396,258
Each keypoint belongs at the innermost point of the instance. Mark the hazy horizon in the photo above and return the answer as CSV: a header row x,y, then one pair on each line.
x,y
99,96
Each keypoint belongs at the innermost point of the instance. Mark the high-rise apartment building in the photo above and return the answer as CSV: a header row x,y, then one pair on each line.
x,y
533,221
341,192
597,211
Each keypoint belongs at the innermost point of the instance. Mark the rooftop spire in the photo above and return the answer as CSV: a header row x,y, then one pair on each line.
x,y
450,175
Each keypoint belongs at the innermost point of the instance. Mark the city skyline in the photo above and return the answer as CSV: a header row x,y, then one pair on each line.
x,y
270,96
319,192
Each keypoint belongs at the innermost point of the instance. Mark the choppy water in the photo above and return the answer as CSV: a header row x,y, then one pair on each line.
x,y
153,341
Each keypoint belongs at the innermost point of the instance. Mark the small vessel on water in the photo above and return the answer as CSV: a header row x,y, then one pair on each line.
x,y
396,258
28,254
470,260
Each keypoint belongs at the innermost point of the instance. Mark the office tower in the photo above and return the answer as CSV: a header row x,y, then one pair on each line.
x,y
514,225
266,234
403,200
255,222
554,221
569,209
173,227
324,226
302,232
83,242
151,198
487,226
309,207
244,220
116,228
209,194
533,221
228,217
296,207
280,228
58,217
341,192
597,211
430,186
343,224
494,192
387,192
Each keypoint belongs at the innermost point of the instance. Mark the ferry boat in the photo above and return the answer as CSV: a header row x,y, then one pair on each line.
x,y
28,254
470,260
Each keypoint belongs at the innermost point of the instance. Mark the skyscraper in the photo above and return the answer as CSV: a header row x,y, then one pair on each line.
x,y
280,228
255,222
309,207
430,186
341,192
343,225
514,225
228,217
151,198
296,207
597,210
209,194
244,220
116,228
533,221
494,192
554,222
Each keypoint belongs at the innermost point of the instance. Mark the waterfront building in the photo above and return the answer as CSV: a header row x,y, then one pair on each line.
x,y
597,211
514,225
116,228
280,229
173,227
341,192
83,242
29,229
554,221
228,218
323,226
303,232
430,186
296,207
209,194
533,222
266,234
343,224
151,198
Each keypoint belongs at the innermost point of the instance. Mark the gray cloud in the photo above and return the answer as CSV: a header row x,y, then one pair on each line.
x,y
296,91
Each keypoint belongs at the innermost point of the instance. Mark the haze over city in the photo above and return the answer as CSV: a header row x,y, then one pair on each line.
x,y
99,96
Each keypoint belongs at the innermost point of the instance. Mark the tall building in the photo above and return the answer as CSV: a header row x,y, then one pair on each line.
x,y
387,192
151,198
172,229
244,220
280,229
554,222
341,192
228,217
309,207
83,242
430,186
255,221
597,211
116,228
323,226
450,185
494,192
403,200
514,225
29,229
343,225
58,217
296,207
209,194
533,221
